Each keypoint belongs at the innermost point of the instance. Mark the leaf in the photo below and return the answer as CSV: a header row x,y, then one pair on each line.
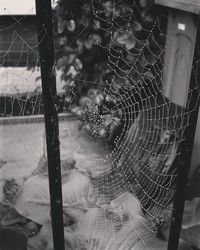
x,y
61,27
143,3
126,39
96,39
68,99
78,64
67,50
72,71
99,99
97,25
80,45
108,8
148,75
62,40
61,63
71,25
93,39
130,43
88,44
71,58
120,38
135,27
147,18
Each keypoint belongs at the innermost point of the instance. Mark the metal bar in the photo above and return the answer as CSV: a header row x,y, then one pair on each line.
x,y
46,49
184,159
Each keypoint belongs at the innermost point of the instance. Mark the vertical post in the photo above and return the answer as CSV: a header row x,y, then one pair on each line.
x,y
46,49
182,163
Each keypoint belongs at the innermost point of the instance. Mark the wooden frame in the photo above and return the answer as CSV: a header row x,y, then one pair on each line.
x,y
182,36
183,160
192,6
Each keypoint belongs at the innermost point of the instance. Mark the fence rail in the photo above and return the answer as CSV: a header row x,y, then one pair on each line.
x,y
32,119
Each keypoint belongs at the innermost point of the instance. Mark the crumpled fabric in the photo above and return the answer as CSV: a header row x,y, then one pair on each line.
x,y
99,228
34,202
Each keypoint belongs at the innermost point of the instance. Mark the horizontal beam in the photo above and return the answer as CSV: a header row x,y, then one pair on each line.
x,y
15,120
192,6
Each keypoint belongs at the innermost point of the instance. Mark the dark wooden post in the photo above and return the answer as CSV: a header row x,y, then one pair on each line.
x,y
178,82
46,49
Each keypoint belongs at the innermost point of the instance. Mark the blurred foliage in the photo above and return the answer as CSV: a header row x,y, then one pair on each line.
x,y
80,26
87,33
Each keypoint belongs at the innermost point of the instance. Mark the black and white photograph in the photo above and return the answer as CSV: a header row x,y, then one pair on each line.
x,y
99,125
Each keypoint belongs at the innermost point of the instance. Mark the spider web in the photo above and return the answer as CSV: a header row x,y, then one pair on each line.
x,y
20,106
22,131
20,92
129,187
139,166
